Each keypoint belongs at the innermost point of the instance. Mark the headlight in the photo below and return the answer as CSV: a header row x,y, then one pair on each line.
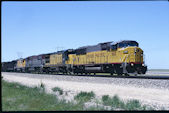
x,y
132,64
142,64
125,52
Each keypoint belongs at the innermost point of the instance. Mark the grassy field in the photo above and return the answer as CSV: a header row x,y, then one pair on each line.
x,y
16,97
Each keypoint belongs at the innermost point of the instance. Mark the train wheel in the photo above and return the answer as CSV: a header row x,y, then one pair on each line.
x,y
118,70
144,69
111,73
119,74
126,74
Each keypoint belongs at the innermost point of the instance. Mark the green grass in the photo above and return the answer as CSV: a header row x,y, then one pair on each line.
x,y
57,89
16,97
84,96
115,102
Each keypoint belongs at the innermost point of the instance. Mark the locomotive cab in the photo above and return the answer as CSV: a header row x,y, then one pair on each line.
x,y
130,49
130,56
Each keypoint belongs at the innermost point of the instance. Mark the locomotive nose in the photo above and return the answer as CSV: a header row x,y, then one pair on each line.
x,y
138,55
136,50
135,54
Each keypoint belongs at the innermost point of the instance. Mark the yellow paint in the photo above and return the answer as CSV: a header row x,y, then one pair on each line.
x,y
55,59
102,57
21,63
120,55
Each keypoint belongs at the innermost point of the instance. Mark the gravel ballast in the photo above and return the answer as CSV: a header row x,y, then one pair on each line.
x,y
148,91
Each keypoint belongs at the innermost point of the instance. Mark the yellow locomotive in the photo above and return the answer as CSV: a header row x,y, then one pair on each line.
x,y
20,65
116,58
119,58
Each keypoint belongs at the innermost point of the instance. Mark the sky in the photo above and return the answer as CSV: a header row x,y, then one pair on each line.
x,y
32,28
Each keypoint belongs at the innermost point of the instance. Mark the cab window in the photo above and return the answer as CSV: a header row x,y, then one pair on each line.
x,y
113,47
127,43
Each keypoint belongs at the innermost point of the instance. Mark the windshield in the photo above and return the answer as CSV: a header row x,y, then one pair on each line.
x,y
127,43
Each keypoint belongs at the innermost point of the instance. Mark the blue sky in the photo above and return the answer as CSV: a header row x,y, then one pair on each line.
x,y
32,28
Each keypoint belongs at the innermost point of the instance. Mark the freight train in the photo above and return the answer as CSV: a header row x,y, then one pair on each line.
x,y
123,57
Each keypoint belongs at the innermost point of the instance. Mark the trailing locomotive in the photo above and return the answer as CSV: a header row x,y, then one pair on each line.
x,y
119,58
9,66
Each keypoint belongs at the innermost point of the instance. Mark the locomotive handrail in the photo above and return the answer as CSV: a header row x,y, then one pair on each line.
x,y
125,58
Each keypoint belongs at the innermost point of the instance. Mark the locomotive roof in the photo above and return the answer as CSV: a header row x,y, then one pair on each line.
x,y
83,47
9,61
62,51
71,50
126,41
58,52
106,42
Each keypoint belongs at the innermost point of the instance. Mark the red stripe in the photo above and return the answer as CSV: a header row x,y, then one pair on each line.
x,y
135,63
111,63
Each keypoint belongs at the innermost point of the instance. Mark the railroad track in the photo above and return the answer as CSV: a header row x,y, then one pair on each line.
x,y
139,76
115,76
165,77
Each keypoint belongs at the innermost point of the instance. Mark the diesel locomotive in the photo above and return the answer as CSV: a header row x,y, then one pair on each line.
x,y
123,57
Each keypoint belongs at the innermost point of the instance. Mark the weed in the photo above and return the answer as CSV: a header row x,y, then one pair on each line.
x,y
42,86
66,93
105,98
132,104
84,96
57,89
115,102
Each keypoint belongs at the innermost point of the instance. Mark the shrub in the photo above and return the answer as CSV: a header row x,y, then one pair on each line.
x,y
42,86
84,96
57,89
114,102
133,104
106,99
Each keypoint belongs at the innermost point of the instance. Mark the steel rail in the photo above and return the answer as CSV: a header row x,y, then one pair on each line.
x,y
139,76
